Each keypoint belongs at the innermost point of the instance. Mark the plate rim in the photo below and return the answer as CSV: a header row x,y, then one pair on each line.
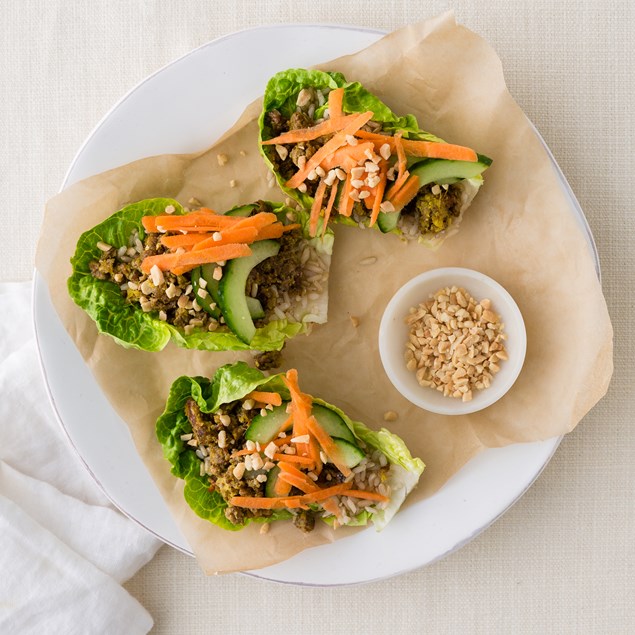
x,y
40,286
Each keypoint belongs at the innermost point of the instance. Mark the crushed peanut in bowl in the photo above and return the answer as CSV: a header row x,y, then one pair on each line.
x,y
455,343
452,341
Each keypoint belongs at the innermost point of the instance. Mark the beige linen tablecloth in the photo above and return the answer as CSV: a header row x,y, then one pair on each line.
x,y
561,560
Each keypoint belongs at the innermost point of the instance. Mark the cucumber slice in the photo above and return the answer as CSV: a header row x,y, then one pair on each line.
x,y
231,289
445,171
332,423
210,302
255,308
242,210
349,454
270,485
264,429
387,221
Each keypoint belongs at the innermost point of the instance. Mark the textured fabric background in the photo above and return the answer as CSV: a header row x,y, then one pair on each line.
x,y
562,559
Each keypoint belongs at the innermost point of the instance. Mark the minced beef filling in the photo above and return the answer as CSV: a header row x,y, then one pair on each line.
x,y
435,212
206,428
111,267
278,124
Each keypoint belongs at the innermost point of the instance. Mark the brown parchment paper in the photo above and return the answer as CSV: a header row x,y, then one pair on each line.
x,y
520,230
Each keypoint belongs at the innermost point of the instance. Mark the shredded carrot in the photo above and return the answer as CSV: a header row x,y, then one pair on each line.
x,y
171,222
330,505
336,98
346,202
401,155
303,482
316,207
406,193
262,502
379,193
258,221
300,409
244,452
424,149
329,447
182,240
334,124
276,230
245,235
329,207
166,262
271,398
293,458
339,139
397,185
347,157
327,492
373,496
281,488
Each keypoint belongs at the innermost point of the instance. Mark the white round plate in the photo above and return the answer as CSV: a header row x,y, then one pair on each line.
x,y
163,115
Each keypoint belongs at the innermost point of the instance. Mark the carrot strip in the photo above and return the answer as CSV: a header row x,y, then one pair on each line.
x,y
347,157
300,410
246,235
276,230
302,483
281,488
323,494
261,502
379,194
339,139
330,505
329,207
165,262
244,452
182,240
397,185
272,398
334,124
195,219
329,447
345,207
406,193
373,496
336,98
293,458
258,221
401,155
150,224
424,149
316,208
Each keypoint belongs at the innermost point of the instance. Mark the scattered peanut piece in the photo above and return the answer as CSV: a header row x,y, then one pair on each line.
x,y
390,415
222,159
354,320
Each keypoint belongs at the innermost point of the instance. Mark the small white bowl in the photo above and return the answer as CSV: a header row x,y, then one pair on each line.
x,y
393,336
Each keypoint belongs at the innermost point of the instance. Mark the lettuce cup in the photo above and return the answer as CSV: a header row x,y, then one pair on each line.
x,y
252,448
341,152
246,279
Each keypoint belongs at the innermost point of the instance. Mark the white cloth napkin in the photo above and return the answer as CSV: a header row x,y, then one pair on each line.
x,y
64,551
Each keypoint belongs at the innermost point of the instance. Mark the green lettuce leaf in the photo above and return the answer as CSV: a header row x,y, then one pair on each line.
x,y
233,382
132,328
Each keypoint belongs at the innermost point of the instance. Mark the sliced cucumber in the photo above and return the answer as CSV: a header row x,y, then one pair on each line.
x,y
270,485
242,210
349,454
387,221
255,308
231,289
264,429
210,302
446,171
332,423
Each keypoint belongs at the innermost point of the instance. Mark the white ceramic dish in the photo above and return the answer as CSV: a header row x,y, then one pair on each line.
x,y
393,336
145,123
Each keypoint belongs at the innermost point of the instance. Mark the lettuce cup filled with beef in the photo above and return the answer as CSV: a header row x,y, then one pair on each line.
x,y
252,448
342,153
246,279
